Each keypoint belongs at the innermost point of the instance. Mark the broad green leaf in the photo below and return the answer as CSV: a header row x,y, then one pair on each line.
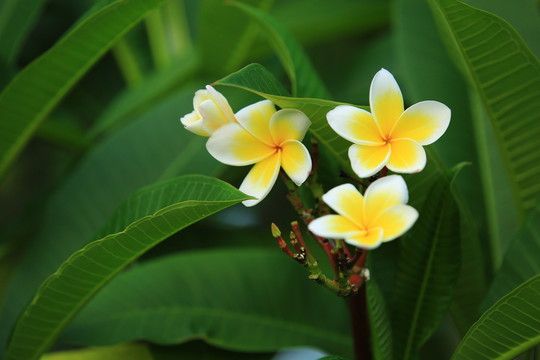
x,y
379,323
35,91
248,307
507,329
521,259
428,269
255,78
121,351
506,76
146,218
225,35
304,79
200,350
152,147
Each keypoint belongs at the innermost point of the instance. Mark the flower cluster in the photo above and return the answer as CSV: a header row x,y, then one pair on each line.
x,y
390,137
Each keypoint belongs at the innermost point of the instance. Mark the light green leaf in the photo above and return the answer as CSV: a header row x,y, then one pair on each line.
x,y
521,259
428,269
146,218
507,329
379,323
256,79
231,298
506,75
121,351
304,79
35,91
154,146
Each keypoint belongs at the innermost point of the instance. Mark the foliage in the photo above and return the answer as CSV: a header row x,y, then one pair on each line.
x,y
97,176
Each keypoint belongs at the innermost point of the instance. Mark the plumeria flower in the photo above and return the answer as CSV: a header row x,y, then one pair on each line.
x,y
366,221
211,111
389,136
271,140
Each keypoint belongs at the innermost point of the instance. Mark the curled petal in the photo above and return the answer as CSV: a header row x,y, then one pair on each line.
x,y
385,100
395,221
407,156
212,116
295,161
288,124
354,124
200,96
333,226
366,239
368,160
222,103
423,122
255,118
261,178
193,123
383,194
233,145
347,201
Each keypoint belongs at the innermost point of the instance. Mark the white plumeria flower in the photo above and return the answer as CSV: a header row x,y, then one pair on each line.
x,y
366,221
211,111
389,136
271,140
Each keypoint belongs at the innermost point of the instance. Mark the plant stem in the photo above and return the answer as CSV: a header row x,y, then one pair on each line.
x,y
127,62
359,322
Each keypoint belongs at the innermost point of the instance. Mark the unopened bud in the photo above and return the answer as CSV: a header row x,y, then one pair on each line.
x,y
275,231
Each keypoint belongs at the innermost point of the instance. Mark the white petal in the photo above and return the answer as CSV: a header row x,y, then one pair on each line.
x,y
295,161
193,123
222,102
231,144
382,194
261,178
347,201
424,122
288,124
368,160
255,118
213,117
385,100
354,124
333,226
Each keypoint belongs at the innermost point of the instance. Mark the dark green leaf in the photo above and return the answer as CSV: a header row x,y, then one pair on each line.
x,y
146,218
304,79
521,259
428,269
122,351
379,323
239,299
27,100
506,75
507,329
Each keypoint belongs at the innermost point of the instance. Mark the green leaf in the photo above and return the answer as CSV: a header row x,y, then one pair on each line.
x,y
506,75
146,218
152,147
428,269
379,323
304,79
247,307
507,329
34,92
121,351
256,79
521,259
200,350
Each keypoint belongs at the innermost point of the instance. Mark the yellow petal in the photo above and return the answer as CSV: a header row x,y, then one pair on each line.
x,y
407,156
368,160
231,144
354,124
295,161
261,178
347,201
255,118
385,100
333,226
383,194
288,124
366,239
193,123
395,221
424,122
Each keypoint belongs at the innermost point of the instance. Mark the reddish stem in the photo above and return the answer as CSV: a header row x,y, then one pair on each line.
x,y
360,327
